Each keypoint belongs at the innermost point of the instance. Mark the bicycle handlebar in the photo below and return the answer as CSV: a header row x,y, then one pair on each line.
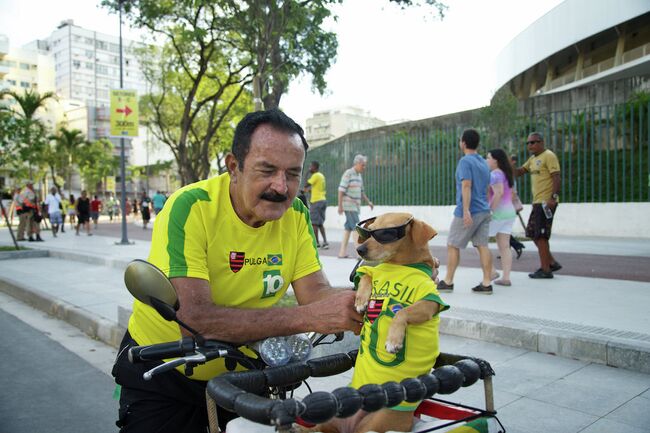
x,y
240,391
160,351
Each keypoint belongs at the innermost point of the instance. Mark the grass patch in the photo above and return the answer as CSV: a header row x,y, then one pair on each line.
x,y
12,248
519,238
287,300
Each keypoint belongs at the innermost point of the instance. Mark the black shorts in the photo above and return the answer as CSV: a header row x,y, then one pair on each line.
x,y
539,227
168,403
83,218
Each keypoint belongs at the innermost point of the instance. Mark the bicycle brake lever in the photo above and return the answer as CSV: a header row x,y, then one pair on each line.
x,y
199,358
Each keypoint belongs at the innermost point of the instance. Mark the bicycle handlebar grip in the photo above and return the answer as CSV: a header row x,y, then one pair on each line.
x,y
156,352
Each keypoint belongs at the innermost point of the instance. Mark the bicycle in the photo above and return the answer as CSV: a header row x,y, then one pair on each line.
x,y
259,395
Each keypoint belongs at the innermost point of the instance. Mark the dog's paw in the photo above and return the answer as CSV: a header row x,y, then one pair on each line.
x,y
361,307
393,348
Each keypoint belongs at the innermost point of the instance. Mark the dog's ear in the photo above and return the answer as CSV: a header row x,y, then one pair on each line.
x,y
421,231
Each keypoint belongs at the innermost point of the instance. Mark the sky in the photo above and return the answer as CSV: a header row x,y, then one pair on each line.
x,y
397,65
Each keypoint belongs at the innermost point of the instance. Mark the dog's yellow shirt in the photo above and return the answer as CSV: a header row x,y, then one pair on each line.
x,y
395,287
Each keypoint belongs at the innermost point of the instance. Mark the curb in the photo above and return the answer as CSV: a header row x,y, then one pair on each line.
x,y
23,254
94,326
628,353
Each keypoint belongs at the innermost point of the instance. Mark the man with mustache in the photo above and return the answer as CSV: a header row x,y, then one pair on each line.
x,y
231,246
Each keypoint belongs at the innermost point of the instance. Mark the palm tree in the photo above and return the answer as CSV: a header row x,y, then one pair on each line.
x,y
65,152
29,102
33,131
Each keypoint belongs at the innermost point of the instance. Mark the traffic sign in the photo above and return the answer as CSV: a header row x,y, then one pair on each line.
x,y
124,113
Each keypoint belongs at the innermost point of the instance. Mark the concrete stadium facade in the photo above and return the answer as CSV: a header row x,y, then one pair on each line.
x,y
578,45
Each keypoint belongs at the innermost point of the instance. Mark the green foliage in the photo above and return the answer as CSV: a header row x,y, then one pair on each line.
x,y
63,154
96,161
25,141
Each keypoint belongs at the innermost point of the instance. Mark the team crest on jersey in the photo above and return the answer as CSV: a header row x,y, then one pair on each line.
x,y
374,309
236,261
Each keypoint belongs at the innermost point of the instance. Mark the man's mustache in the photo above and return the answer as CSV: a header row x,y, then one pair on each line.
x,y
274,197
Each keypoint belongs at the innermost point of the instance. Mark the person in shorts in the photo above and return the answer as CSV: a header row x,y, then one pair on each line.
x,y
349,199
544,169
472,214
83,213
53,203
318,203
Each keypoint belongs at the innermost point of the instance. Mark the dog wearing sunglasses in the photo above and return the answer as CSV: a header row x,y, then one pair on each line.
x,y
399,337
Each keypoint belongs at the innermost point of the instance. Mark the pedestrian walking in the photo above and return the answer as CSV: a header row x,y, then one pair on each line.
x,y
110,207
351,193
54,208
316,187
83,212
95,209
71,206
503,210
145,210
472,214
544,169
158,201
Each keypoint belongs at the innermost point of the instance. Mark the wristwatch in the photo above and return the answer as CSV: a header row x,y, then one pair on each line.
x,y
555,197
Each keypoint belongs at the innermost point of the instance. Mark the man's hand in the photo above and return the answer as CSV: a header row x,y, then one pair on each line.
x,y
467,219
372,206
340,209
551,203
335,313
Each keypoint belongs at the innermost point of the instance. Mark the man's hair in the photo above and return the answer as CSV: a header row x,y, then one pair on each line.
x,y
359,159
241,142
316,164
539,135
471,138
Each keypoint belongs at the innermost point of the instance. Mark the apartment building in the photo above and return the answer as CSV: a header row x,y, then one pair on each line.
x,y
328,125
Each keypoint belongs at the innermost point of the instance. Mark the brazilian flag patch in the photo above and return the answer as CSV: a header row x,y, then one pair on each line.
x,y
274,259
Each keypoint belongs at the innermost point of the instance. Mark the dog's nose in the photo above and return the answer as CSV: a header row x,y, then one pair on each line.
x,y
362,250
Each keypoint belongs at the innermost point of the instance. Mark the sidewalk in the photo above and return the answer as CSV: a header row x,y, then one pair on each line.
x,y
590,319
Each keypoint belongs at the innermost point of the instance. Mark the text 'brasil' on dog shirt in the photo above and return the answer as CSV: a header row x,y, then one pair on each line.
x,y
395,287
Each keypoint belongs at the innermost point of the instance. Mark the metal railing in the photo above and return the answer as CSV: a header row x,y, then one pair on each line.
x,y
604,153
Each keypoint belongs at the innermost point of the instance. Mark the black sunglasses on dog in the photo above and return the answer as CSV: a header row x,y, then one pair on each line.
x,y
384,235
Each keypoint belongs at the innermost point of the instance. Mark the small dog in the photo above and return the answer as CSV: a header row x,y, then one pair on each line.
x,y
399,338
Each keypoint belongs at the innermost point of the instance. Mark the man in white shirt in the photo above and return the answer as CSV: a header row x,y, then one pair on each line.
x,y
53,203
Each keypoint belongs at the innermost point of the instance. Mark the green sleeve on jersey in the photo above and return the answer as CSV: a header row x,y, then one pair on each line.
x,y
178,215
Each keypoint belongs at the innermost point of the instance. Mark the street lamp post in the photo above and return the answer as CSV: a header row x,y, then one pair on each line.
x,y
125,239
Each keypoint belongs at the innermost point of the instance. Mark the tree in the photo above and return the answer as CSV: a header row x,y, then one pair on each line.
x,y
96,161
284,39
207,108
201,71
31,137
64,154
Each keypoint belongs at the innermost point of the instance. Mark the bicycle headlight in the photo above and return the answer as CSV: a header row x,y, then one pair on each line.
x,y
275,351
300,346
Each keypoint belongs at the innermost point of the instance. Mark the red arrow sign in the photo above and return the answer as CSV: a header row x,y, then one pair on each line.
x,y
126,110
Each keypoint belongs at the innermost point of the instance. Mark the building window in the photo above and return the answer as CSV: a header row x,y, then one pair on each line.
x,y
76,64
12,82
24,66
24,84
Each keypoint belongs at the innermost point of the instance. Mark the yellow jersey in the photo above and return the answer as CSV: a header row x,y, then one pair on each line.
x,y
395,287
198,234
541,167
317,182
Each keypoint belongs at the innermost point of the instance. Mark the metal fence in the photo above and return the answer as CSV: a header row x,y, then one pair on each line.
x,y
604,154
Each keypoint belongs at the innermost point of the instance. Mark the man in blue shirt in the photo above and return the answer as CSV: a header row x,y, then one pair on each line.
x,y
472,214
158,202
